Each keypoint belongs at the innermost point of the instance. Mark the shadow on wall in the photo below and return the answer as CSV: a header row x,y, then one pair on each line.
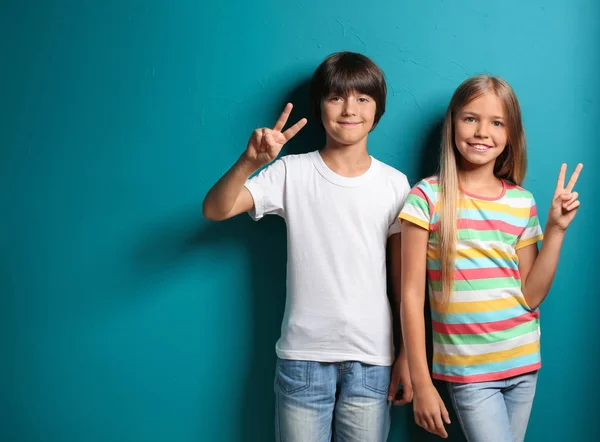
x,y
312,136
265,243
431,149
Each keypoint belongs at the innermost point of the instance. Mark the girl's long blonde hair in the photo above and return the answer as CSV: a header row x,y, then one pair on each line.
x,y
510,165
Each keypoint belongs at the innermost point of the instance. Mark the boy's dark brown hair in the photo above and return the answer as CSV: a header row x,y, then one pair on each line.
x,y
343,72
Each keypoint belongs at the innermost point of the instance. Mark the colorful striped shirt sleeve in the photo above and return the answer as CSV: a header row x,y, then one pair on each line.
x,y
419,205
533,231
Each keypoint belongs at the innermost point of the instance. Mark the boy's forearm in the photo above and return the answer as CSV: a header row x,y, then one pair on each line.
x,y
396,280
222,196
398,300
399,338
542,273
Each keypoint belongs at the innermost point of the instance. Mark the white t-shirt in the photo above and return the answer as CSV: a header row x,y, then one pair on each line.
x,y
336,307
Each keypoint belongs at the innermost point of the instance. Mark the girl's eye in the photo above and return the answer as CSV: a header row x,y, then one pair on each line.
x,y
469,119
498,123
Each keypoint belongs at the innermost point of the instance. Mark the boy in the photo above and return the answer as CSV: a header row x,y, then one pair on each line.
x,y
340,206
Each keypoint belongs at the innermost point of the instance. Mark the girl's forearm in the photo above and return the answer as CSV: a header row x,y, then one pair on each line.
x,y
413,331
540,278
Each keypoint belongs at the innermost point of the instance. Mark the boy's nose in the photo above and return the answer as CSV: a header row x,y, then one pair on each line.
x,y
349,107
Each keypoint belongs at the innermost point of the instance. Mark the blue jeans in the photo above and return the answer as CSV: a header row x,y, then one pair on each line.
x,y
316,400
496,411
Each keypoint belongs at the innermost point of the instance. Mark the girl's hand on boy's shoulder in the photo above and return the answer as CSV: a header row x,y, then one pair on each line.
x,y
565,201
265,144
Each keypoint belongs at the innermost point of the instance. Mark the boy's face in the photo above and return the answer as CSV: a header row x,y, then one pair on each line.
x,y
348,119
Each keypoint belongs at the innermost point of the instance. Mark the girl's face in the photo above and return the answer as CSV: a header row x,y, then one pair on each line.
x,y
480,132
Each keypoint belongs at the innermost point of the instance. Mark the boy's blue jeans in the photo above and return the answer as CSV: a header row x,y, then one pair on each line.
x,y
318,400
496,411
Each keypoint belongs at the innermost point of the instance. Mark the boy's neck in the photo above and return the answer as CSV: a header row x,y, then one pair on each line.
x,y
346,160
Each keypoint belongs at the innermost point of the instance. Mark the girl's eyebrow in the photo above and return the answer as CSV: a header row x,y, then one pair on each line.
x,y
495,117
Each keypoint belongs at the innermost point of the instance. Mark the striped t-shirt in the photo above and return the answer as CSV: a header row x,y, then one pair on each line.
x,y
487,331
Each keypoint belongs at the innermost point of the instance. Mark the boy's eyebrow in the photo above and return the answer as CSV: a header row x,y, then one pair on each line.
x,y
346,93
475,114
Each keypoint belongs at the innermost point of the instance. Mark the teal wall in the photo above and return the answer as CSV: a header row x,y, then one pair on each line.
x,y
127,317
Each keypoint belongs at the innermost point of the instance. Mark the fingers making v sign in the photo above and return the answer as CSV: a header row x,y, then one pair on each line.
x,y
565,201
265,144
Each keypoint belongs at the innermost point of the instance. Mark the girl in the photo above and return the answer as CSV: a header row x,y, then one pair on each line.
x,y
473,231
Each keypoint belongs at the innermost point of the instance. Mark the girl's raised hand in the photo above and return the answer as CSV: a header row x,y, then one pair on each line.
x,y
564,203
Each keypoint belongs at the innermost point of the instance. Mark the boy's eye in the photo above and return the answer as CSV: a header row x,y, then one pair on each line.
x,y
335,98
363,100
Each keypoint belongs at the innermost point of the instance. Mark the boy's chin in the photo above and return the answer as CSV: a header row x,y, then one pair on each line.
x,y
347,141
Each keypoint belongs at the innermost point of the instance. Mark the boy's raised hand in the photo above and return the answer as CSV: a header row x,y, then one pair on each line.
x,y
565,202
265,144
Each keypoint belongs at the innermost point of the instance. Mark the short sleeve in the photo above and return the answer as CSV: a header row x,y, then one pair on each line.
x,y
403,189
533,231
267,189
419,205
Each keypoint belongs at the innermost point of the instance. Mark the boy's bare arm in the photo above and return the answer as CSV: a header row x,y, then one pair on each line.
x,y
400,371
228,197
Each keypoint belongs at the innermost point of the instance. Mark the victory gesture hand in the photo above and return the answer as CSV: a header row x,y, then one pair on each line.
x,y
265,144
564,203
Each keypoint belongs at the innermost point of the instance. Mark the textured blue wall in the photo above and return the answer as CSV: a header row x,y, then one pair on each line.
x,y
127,317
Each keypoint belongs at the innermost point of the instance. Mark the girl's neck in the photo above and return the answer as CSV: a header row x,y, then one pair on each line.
x,y
480,181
